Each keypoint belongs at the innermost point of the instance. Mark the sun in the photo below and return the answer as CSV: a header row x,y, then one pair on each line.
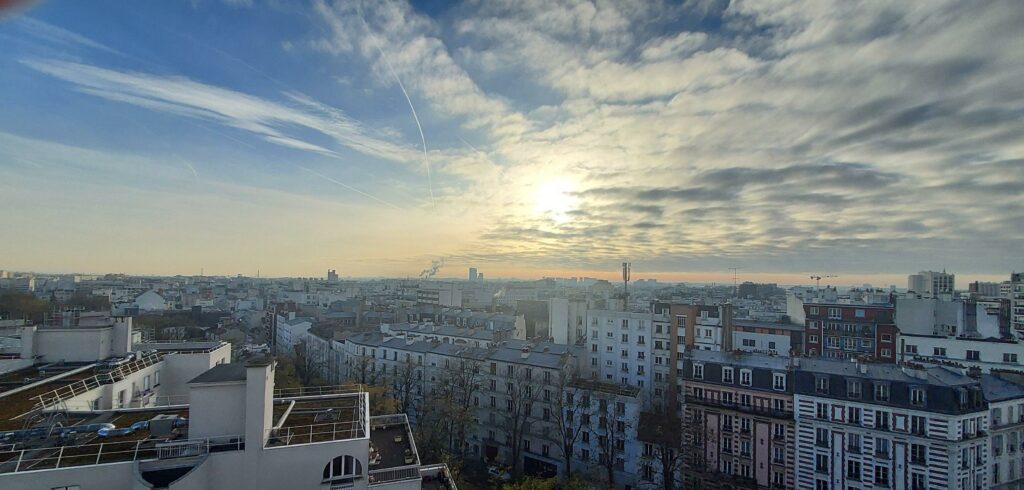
x,y
554,198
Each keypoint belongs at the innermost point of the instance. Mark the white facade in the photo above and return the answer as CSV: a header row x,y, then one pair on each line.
x,y
984,354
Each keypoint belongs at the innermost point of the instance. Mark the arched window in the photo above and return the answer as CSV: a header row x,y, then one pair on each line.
x,y
342,468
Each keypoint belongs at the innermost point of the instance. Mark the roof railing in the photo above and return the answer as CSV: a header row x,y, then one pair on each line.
x,y
113,452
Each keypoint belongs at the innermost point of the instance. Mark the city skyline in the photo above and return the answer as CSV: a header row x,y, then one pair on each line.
x,y
523,139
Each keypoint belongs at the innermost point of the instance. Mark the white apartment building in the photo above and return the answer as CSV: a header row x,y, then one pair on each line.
x,y
1016,295
930,284
630,349
235,432
986,354
882,426
503,375
290,331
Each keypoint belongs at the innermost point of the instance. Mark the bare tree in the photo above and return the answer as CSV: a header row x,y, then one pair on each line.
x,y
519,407
459,384
611,443
404,381
570,408
363,369
309,366
664,445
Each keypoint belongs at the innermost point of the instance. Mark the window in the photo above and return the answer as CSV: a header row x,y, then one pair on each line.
x,y
853,443
835,313
917,396
640,340
625,337
779,381
853,470
821,437
745,377
727,375
342,468
859,313
821,410
745,425
887,337
745,448
821,463
1010,358
771,345
881,392
882,447
814,310
885,353
881,475
881,420
698,371
853,415
749,343
852,388
973,355
918,454
778,454
910,349
821,384
918,425
939,351
156,378
813,339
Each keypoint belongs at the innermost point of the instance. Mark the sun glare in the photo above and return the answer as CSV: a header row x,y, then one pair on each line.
x,y
554,198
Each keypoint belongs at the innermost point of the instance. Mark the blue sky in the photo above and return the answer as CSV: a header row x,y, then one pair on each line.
x,y
778,137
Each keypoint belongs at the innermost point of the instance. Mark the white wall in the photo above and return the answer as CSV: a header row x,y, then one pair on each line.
x,y
216,409
78,344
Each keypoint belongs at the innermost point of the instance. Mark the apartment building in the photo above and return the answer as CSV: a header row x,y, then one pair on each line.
x,y
780,339
930,284
516,393
1016,295
842,331
739,407
1005,396
877,425
236,431
621,348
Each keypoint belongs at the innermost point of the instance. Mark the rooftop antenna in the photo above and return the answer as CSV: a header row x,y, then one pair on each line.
x,y
735,286
625,285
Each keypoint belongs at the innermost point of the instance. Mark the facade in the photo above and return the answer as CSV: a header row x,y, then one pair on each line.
x,y
772,338
497,382
881,426
1005,396
930,284
740,407
840,331
1016,295
962,352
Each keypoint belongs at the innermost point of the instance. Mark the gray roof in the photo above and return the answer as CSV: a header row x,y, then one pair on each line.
x,y
941,375
221,373
740,358
998,389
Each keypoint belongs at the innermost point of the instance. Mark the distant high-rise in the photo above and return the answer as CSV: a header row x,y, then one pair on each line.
x,y
1017,300
332,275
472,274
928,284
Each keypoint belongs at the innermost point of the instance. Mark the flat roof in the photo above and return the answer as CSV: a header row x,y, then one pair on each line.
x,y
740,358
222,373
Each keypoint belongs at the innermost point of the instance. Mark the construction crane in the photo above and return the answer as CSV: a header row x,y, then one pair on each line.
x,y
817,280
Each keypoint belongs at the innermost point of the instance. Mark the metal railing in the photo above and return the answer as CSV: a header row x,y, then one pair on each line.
x,y
378,477
309,391
308,434
112,452
66,392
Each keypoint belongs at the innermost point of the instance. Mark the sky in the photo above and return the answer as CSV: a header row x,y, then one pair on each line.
x,y
867,140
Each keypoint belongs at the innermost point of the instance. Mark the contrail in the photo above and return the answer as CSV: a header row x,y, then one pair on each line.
x,y
353,189
193,169
426,162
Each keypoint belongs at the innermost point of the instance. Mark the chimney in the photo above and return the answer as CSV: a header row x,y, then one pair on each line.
x,y
974,372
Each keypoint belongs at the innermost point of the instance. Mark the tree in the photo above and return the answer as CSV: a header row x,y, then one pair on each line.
x,y
518,413
611,443
404,381
309,367
459,383
664,445
363,370
570,407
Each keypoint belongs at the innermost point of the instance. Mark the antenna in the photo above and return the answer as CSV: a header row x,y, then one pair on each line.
x,y
735,286
625,285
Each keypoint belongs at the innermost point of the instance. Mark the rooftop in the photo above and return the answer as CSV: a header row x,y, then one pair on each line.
x,y
740,358
940,375
222,373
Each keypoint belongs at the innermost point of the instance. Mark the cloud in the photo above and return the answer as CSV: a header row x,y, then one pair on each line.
x,y
272,121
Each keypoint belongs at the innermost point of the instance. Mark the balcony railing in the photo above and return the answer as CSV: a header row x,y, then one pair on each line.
x,y
312,391
113,452
757,410
390,475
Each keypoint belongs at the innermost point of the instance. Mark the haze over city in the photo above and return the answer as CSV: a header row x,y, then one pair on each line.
x,y
530,139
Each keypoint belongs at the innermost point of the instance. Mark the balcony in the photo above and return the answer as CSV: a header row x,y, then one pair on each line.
x,y
763,411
